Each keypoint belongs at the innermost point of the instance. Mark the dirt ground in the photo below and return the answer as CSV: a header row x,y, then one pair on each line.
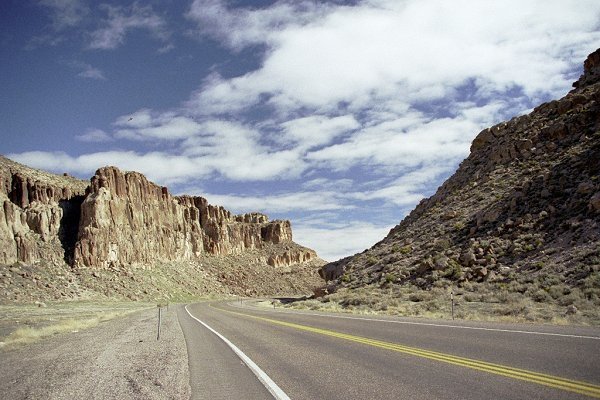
x,y
117,359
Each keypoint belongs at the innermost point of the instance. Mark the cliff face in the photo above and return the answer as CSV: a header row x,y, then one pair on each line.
x,y
521,211
125,219
36,214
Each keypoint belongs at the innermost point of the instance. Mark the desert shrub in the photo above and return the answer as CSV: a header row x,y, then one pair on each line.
x,y
518,309
406,249
592,281
453,271
371,260
546,281
432,305
572,298
417,297
540,296
557,291
441,244
471,297
592,294
390,277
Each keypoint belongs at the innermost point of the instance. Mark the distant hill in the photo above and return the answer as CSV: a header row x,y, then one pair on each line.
x,y
519,221
121,236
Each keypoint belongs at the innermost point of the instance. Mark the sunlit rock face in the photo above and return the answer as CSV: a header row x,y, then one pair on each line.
x,y
121,218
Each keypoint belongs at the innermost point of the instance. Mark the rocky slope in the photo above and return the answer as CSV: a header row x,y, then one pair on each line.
x,y
65,237
520,215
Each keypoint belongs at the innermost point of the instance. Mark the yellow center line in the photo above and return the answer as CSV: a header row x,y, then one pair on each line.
x,y
579,387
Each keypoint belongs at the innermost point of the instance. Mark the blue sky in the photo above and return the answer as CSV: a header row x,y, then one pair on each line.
x,y
337,115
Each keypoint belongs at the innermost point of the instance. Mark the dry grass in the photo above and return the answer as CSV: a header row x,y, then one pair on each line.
x,y
23,324
482,303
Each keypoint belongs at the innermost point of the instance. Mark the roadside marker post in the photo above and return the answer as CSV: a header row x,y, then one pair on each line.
x,y
159,318
452,303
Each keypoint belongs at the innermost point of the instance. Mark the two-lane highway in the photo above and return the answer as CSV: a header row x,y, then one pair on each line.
x,y
308,355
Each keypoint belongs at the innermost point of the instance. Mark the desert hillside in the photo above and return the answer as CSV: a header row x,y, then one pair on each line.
x,y
517,226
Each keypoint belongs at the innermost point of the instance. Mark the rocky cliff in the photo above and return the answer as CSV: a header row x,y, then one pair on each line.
x,y
125,219
121,221
521,213
39,214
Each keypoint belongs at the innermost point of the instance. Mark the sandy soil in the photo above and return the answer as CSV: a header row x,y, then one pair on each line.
x,y
118,359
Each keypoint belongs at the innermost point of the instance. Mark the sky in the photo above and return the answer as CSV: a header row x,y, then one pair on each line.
x,y
337,115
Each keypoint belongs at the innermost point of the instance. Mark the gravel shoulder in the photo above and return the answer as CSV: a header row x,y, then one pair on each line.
x,y
118,359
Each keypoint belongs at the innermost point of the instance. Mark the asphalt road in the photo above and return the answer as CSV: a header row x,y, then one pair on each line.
x,y
320,356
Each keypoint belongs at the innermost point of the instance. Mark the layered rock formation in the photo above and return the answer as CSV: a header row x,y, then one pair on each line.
x,y
37,213
125,219
121,218
523,207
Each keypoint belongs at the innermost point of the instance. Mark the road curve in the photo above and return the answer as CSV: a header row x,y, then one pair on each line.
x,y
314,355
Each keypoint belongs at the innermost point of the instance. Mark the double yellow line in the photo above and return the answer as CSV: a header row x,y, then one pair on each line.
x,y
586,389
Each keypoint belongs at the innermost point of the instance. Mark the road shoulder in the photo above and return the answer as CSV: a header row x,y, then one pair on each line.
x,y
120,358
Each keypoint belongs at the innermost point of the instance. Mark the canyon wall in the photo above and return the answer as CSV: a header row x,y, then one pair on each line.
x,y
127,219
121,218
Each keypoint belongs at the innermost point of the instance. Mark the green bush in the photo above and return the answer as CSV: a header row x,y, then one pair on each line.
x,y
453,271
371,260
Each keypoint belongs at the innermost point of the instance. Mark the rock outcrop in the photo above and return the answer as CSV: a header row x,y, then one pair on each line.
x,y
63,238
523,207
37,208
125,219
121,218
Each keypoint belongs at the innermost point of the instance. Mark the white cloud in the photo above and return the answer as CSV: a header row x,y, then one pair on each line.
x,y
281,203
85,70
415,50
121,20
316,130
333,242
409,188
94,136
340,185
90,72
240,27
159,167
407,141
65,13
142,126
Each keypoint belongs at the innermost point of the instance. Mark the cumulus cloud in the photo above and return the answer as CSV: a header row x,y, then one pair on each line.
x,y
240,27
159,167
282,203
236,152
94,136
144,125
335,241
121,20
415,50
316,130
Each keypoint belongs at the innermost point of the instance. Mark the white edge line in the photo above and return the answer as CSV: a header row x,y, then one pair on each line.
x,y
260,374
430,324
